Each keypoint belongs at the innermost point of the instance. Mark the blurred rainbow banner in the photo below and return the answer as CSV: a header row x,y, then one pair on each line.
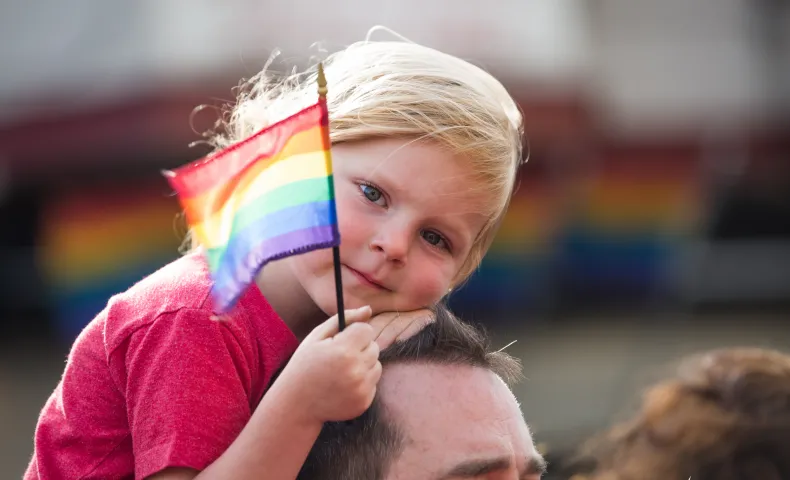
x,y
514,271
98,241
614,234
624,237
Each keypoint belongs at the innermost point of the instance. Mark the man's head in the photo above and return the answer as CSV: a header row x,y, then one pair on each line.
x,y
443,411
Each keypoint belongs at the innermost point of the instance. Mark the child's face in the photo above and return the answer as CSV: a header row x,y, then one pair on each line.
x,y
408,215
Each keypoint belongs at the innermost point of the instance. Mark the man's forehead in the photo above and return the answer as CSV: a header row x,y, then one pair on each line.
x,y
432,376
453,413
417,390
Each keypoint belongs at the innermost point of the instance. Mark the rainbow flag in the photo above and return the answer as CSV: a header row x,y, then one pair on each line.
x,y
266,198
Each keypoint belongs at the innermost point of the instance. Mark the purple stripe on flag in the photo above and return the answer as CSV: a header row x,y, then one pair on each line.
x,y
232,280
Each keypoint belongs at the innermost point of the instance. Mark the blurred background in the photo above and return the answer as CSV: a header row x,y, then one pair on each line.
x,y
652,219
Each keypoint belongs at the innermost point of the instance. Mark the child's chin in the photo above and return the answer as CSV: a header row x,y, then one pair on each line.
x,y
330,311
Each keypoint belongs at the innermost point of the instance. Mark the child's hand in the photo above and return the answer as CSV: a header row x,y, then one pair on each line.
x,y
333,376
391,327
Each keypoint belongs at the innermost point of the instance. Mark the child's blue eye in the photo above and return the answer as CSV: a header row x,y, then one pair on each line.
x,y
373,194
435,239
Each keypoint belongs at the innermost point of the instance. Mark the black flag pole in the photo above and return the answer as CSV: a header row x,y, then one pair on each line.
x,y
341,316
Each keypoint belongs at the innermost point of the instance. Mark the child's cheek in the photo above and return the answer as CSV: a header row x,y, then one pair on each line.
x,y
315,263
352,233
357,230
428,286
351,223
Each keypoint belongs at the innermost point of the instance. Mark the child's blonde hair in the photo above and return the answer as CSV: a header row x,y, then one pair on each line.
x,y
400,89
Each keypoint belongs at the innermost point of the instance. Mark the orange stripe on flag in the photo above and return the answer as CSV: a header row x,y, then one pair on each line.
x,y
202,206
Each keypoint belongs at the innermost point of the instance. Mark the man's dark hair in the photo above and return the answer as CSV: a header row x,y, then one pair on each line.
x,y
362,449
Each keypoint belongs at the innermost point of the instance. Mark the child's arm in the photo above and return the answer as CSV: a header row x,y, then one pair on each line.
x,y
332,376
274,444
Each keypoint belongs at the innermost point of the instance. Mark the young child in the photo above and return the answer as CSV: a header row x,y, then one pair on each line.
x,y
426,149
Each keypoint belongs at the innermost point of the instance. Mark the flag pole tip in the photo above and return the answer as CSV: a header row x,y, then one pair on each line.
x,y
321,80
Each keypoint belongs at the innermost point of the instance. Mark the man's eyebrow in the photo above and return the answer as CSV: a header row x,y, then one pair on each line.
x,y
478,468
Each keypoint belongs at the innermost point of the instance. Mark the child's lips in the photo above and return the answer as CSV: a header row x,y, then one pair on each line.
x,y
366,279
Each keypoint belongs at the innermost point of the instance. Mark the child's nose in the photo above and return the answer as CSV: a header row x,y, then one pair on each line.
x,y
393,243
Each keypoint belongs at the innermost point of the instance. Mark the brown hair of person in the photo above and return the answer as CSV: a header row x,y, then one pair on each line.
x,y
724,416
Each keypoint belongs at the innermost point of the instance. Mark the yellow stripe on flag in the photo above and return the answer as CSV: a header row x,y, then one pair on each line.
x,y
293,169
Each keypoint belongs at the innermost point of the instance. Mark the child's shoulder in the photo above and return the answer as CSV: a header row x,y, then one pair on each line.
x,y
184,283
178,296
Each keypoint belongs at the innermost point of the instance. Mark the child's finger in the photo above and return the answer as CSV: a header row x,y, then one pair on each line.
x,y
403,326
329,328
374,375
380,321
415,327
356,337
361,314
370,355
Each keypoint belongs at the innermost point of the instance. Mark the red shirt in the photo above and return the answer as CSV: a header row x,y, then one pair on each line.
x,y
155,381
